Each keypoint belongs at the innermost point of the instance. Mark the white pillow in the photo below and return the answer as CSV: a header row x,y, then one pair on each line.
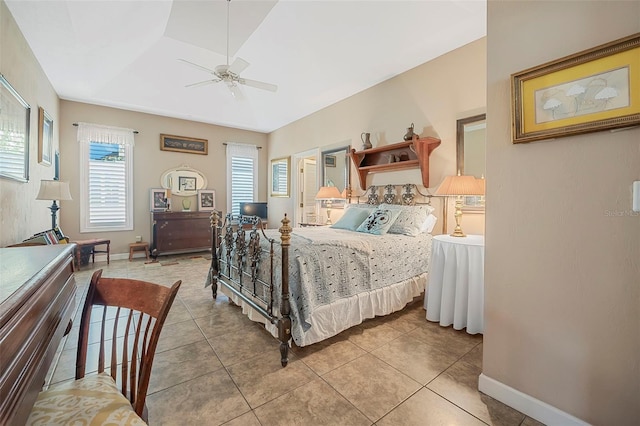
x,y
410,220
428,224
379,221
364,206
351,219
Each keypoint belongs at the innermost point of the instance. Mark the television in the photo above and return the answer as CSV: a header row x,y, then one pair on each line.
x,y
254,209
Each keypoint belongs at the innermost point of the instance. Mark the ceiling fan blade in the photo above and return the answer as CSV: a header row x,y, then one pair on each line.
x,y
200,67
203,83
238,66
258,84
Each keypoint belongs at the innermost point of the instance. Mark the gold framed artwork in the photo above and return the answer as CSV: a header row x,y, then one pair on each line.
x,y
184,144
593,90
45,137
280,176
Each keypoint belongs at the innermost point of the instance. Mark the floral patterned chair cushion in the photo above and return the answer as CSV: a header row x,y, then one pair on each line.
x,y
92,400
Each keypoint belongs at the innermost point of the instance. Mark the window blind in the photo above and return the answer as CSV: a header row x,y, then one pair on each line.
x,y
242,175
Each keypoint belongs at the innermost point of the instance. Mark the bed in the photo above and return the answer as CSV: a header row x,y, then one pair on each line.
x,y
309,284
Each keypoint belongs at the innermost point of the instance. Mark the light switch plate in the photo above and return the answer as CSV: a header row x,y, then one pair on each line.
x,y
636,196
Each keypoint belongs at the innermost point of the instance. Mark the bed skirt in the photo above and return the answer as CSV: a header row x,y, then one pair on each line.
x,y
331,319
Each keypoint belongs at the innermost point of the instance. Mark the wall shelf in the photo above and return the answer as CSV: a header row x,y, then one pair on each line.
x,y
412,154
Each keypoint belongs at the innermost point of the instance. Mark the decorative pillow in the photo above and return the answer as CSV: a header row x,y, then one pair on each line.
x,y
411,219
95,399
351,219
379,221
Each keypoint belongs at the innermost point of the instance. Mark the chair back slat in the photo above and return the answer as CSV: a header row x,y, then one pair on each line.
x,y
150,303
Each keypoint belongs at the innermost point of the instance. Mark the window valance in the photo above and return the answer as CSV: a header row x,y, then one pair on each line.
x,y
88,132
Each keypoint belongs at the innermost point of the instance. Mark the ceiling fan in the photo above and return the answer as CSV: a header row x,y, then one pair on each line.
x,y
230,74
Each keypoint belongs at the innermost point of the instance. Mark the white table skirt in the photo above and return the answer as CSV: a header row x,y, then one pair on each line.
x,y
455,290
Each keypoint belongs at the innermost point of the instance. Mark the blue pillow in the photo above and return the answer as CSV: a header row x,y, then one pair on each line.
x,y
351,219
379,221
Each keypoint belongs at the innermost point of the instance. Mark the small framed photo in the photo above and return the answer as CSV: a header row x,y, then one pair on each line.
x,y
45,137
330,160
158,198
206,200
186,183
56,166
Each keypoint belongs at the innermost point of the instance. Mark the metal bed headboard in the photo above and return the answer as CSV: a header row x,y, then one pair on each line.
x,y
404,194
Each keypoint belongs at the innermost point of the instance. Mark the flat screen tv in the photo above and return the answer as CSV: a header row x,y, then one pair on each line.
x,y
254,209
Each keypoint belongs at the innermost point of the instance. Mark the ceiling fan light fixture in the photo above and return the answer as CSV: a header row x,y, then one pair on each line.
x,y
230,74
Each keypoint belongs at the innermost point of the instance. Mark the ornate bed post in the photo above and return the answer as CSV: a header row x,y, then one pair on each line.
x,y
213,270
284,323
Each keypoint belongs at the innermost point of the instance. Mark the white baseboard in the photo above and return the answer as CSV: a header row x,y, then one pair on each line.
x,y
532,407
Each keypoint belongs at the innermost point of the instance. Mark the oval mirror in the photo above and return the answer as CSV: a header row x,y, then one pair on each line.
x,y
183,181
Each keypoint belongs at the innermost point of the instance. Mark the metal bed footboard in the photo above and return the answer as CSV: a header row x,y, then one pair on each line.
x,y
235,264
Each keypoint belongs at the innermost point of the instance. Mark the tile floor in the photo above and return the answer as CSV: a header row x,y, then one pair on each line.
x,y
213,366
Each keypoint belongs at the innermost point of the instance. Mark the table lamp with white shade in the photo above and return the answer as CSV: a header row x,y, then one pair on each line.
x,y
54,190
460,186
328,194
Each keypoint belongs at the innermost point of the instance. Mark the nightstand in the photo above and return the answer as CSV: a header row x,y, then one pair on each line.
x,y
455,289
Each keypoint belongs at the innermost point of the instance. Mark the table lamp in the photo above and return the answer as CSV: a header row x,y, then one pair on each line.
x,y
328,193
53,190
459,186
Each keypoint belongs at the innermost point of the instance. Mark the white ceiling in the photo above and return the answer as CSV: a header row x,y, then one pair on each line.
x,y
124,54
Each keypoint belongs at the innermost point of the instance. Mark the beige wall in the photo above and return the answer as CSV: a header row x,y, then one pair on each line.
x,y
432,96
562,274
149,162
20,214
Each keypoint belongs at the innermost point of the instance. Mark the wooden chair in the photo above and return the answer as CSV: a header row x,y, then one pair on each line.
x,y
131,314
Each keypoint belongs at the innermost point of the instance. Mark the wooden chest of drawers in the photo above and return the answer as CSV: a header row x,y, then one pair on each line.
x,y
37,302
180,232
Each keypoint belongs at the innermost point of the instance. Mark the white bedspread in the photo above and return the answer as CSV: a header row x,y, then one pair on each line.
x,y
337,277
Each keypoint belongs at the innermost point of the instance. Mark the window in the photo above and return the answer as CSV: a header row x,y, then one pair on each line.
x,y
106,176
242,175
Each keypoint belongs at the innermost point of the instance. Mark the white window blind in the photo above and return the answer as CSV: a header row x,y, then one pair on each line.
x,y
106,178
242,175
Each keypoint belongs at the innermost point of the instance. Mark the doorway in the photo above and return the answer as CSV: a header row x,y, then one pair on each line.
x,y
305,187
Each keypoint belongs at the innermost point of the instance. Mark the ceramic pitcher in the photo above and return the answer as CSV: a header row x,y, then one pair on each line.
x,y
366,140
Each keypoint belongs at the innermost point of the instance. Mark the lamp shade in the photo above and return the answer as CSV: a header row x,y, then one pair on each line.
x,y
54,190
482,184
460,185
328,193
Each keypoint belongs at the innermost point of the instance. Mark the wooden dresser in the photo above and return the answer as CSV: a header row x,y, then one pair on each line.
x,y
180,232
37,303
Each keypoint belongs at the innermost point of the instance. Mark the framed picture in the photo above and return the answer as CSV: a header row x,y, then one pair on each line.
x,y
186,183
158,199
184,144
330,160
206,200
280,177
45,137
56,166
589,91
14,147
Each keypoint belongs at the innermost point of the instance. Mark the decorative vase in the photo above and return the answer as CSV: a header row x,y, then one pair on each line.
x,y
409,135
186,205
366,140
